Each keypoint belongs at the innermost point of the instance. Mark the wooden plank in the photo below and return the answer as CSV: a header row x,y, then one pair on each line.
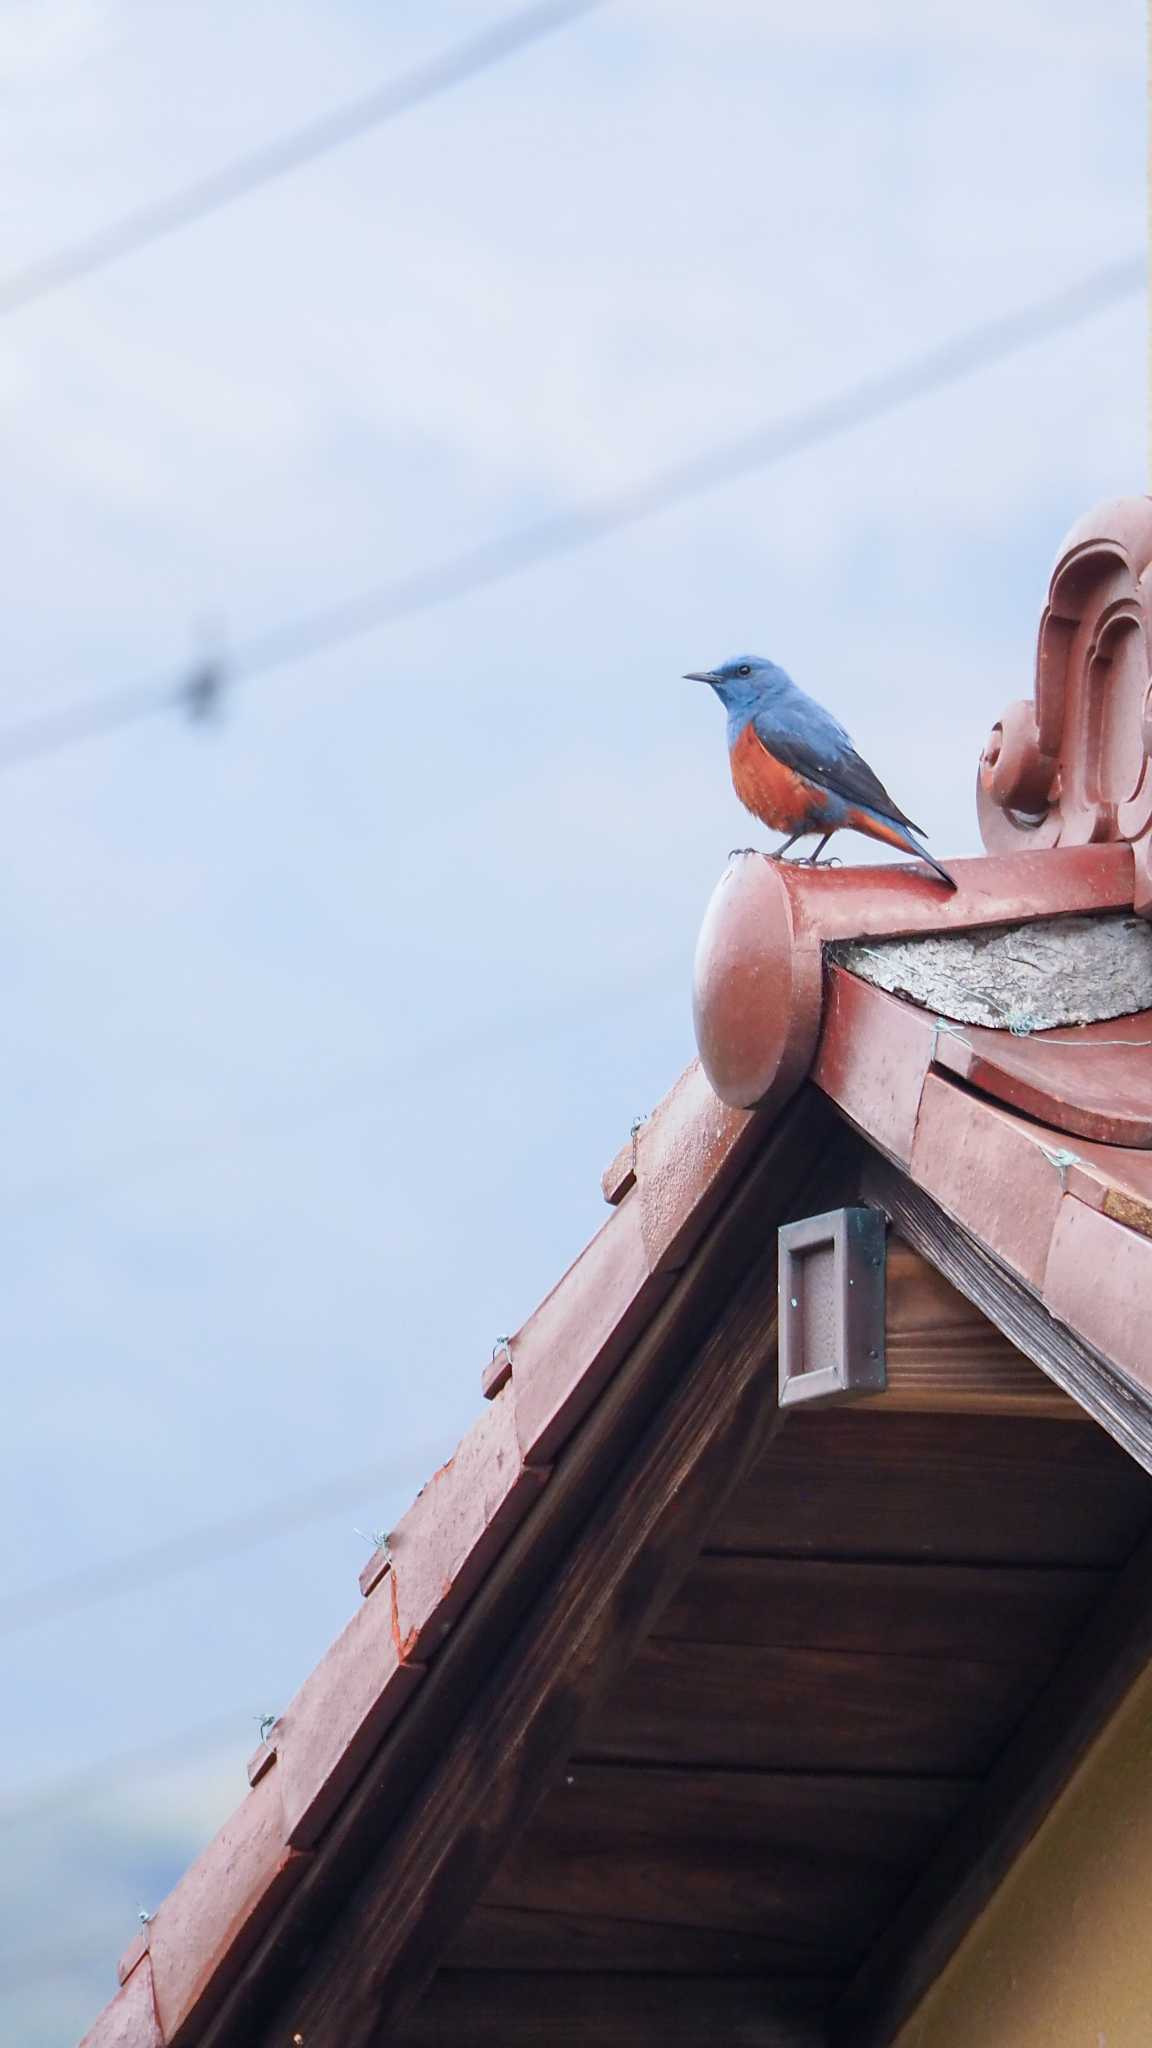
x,y
1001,1818
957,1488
1123,1410
813,1860
944,1356
463,2009
745,1707
995,1613
627,1508
525,1938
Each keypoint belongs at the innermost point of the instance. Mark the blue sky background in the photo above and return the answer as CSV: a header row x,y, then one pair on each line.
x,y
319,1029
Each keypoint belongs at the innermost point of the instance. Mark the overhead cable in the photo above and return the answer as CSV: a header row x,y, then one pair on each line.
x,y
159,218
494,561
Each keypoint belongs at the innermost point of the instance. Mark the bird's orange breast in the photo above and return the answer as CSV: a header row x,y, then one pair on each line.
x,y
773,793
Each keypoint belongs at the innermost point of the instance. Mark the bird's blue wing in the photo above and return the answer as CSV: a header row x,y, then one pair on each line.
x,y
809,740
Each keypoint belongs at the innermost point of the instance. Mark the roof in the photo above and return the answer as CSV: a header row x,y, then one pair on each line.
x,y
1018,1164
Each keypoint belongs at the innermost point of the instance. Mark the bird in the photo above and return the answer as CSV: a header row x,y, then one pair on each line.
x,y
795,768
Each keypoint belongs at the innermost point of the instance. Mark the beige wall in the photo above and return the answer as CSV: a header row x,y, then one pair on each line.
x,y
1062,1957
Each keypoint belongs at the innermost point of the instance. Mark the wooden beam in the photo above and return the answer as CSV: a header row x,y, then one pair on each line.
x,y
850,1482
945,1357
466,2010
1000,1820
751,1707
503,1937
1122,1409
814,1860
990,1612
462,1768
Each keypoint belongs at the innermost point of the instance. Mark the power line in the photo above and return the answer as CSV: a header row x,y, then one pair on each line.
x,y
88,1585
160,218
494,561
73,1787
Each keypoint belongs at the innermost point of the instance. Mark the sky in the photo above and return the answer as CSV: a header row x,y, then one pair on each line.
x,y
320,1026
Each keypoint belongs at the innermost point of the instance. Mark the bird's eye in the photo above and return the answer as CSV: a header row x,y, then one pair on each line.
x,y
745,669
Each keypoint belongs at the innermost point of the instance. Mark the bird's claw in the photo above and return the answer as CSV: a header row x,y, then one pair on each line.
x,y
739,852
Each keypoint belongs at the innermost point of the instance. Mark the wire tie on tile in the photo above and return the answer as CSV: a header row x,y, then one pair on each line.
x,y
265,1723
634,1130
503,1344
950,1029
378,1538
1061,1159
143,1916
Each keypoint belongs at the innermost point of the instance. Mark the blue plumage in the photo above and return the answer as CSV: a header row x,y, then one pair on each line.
x,y
835,786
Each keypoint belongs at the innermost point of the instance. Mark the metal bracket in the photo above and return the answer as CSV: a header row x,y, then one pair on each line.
x,y
831,1326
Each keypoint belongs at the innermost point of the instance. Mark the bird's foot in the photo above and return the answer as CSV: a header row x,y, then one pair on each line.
x,y
739,852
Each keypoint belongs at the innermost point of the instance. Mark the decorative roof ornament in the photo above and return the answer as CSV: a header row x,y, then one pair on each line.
x,y
1071,766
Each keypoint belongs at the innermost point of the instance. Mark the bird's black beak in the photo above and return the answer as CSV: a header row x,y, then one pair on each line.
x,y
699,675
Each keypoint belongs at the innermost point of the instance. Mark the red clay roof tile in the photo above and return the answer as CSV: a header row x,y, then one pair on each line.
x,y
458,1525
340,1714
261,1760
756,985
619,1178
570,1347
1098,1279
689,1153
1092,1080
130,2020
199,1937
1114,1179
874,1056
133,1955
498,1371
992,1171
377,1567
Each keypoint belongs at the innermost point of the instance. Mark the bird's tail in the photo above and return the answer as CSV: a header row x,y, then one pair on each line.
x,y
893,834
948,880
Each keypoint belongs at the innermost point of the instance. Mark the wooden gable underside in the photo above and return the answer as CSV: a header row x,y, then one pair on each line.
x,y
757,1679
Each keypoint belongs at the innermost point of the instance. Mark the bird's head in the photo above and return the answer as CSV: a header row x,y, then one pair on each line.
x,y
738,683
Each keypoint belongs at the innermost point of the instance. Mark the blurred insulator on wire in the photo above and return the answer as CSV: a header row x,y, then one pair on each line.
x,y
201,693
